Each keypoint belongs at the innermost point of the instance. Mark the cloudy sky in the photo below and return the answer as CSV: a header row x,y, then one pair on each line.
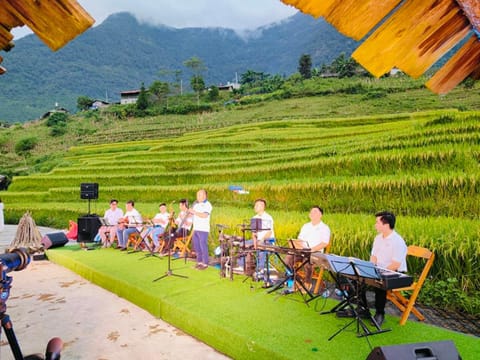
x,y
233,14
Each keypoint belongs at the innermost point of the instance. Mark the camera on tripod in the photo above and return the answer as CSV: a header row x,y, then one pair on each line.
x,y
16,260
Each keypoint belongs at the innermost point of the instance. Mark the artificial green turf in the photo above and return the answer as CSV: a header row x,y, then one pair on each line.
x,y
238,317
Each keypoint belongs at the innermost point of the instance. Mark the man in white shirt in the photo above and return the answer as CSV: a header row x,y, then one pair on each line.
x,y
263,234
160,222
132,223
112,216
316,235
201,228
389,251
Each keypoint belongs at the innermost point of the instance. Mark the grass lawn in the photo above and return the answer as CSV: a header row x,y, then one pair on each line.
x,y
238,317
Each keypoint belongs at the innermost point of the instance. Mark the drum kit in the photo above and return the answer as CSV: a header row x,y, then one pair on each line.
x,y
234,250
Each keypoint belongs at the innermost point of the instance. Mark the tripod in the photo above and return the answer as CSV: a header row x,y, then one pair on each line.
x,y
54,346
169,271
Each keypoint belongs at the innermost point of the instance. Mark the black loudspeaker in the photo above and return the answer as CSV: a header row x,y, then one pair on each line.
x,y
87,228
89,190
54,240
439,350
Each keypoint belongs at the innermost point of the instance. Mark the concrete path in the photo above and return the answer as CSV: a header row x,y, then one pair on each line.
x,y
47,300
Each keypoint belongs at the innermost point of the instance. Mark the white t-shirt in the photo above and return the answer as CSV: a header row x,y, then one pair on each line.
x,y
162,216
134,218
267,223
199,223
113,216
391,248
315,234
186,222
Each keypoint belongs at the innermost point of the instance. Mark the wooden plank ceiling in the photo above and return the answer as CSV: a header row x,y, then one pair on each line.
x,y
411,35
55,22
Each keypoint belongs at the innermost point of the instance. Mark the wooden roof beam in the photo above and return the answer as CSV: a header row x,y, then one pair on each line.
x,y
413,38
368,13
465,62
55,22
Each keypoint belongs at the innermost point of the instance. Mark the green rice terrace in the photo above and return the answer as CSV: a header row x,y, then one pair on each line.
x,y
424,166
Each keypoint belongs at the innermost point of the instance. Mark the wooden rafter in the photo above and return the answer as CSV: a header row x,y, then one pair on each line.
x,y
55,22
411,35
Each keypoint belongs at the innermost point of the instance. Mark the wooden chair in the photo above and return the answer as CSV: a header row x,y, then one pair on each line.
x,y
406,303
317,272
183,244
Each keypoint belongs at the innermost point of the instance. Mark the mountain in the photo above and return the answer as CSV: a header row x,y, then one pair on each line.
x,y
121,53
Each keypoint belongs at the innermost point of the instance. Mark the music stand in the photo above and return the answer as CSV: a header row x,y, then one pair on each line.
x,y
142,238
357,270
151,249
169,271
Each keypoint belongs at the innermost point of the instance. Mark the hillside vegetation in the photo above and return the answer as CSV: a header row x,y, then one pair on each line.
x,y
423,165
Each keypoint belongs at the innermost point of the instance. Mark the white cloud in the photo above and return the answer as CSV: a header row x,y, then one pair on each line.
x,y
233,14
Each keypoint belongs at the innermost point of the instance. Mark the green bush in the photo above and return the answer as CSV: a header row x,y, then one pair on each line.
x,y
56,118
25,145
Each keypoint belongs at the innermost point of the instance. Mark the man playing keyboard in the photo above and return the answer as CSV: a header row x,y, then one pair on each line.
x,y
315,235
389,251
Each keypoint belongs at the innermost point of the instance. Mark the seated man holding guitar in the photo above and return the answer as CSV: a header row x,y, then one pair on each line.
x,y
315,235
180,227
131,223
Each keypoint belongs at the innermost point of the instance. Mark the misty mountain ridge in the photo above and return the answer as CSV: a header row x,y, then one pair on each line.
x,y
121,53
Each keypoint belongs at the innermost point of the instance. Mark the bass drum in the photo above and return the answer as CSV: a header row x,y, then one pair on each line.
x,y
250,263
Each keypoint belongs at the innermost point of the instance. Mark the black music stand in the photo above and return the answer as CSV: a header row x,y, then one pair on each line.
x,y
169,271
357,270
151,249
291,274
142,239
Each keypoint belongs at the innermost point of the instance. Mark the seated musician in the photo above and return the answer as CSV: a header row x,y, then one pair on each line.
x,y
160,222
316,237
262,234
389,251
131,223
183,224
112,216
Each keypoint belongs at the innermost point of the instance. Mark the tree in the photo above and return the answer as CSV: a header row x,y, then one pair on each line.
x,y
142,101
160,90
305,66
197,66
344,67
175,78
252,78
84,103
213,93
197,84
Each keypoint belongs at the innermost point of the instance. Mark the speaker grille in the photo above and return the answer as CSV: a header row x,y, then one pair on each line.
x,y
89,190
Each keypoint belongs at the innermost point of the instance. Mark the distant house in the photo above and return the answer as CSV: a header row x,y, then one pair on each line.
x,y
229,86
99,104
129,97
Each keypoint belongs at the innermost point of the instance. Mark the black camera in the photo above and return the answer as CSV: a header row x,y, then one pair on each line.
x,y
16,260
